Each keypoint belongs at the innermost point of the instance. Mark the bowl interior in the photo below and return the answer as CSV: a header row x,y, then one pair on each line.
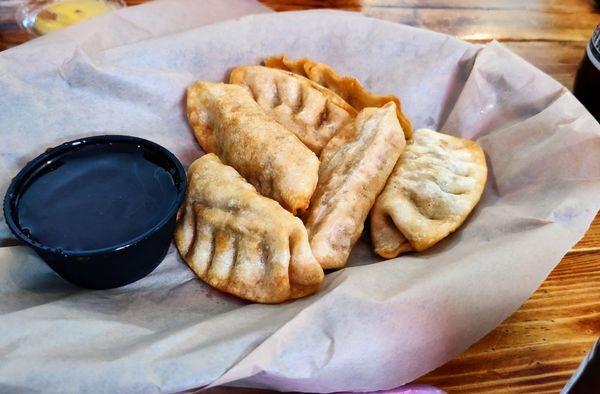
x,y
47,161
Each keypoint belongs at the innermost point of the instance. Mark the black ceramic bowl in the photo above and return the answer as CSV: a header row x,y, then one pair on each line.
x,y
111,265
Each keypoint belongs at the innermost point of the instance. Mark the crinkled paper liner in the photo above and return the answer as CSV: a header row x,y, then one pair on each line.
x,y
375,324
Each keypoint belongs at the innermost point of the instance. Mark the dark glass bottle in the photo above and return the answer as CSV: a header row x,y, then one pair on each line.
x,y
587,80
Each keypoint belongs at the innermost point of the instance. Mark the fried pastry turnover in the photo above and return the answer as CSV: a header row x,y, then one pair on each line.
x,y
240,242
312,112
354,167
433,188
348,88
227,121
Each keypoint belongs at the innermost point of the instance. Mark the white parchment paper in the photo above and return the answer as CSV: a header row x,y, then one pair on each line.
x,y
375,324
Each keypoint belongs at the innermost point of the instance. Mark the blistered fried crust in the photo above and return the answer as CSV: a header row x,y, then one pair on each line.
x,y
312,112
227,121
434,186
348,88
354,167
240,242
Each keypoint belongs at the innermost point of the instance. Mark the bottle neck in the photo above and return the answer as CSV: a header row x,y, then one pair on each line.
x,y
593,48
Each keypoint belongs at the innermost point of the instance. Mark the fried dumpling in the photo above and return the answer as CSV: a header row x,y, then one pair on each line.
x,y
227,121
312,112
348,88
240,242
354,167
433,187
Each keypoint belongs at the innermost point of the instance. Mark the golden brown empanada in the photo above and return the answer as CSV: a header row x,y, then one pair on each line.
x,y
434,186
240,242
228,122
348,88
312,112
354,167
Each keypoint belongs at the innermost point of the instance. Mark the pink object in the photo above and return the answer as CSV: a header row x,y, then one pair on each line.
x,y
408,389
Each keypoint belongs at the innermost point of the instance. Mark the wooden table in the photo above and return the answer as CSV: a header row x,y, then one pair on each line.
x,y
539,347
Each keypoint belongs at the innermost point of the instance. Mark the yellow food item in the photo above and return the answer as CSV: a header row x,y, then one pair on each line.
x,y
65,13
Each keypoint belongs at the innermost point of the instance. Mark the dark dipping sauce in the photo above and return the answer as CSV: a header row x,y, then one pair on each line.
x,y
96,197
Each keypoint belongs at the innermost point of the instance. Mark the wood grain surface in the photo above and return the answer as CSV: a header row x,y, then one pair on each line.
x,y
539,347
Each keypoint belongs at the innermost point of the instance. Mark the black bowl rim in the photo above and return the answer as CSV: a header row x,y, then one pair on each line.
x,y
63,148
